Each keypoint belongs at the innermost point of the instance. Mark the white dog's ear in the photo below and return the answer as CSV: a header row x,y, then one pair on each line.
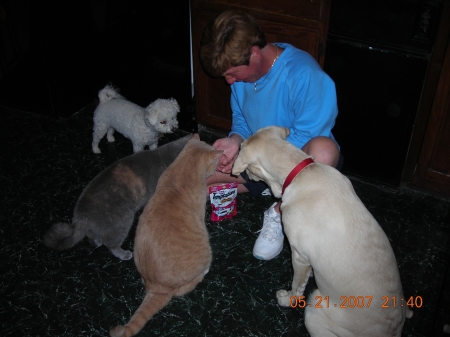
x,y
152,116
175,105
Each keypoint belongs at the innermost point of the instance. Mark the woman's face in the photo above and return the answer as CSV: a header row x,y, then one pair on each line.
x,y
239,74
246,73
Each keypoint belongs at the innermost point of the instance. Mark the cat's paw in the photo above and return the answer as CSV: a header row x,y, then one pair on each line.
x,y
127,255
121,254
283,298
96,242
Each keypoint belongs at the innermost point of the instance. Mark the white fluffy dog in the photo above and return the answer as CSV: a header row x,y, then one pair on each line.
x,y
330,232
141,126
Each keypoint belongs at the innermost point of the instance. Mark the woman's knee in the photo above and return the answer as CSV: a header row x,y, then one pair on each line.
x,y
324,150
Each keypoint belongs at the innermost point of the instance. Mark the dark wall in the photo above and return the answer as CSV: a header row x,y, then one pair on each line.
x,y
56,55
378,54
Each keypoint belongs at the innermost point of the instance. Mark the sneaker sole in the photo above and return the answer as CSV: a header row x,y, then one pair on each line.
x,y
268,257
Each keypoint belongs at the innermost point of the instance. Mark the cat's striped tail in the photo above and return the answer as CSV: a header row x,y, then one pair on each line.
x,y
62,236
151,304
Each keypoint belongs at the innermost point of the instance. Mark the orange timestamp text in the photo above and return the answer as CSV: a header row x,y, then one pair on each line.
x,y
356,302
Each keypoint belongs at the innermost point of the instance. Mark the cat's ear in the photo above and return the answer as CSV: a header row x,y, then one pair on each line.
x,y
216,153
213,157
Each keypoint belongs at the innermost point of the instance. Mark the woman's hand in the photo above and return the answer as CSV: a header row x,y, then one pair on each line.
x,y
230,147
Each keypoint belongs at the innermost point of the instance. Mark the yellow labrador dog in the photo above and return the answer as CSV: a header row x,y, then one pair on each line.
x,y
331,233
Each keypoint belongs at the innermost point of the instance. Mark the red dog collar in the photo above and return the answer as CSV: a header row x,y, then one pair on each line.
x,y
296,171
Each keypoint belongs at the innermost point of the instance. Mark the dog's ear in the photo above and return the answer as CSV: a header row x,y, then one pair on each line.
x,y
152,116
175,105
280,131
196,136
239,165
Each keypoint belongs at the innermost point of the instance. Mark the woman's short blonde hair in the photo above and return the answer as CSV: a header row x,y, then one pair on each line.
x,y
227,41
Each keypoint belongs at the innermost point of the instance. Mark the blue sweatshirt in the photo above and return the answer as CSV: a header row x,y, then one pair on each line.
x,y
296,93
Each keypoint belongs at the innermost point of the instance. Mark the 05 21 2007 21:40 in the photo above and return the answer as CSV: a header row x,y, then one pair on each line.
x,y
357,302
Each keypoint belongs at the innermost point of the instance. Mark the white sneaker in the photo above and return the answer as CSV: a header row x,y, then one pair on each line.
x,y
270,240
266,192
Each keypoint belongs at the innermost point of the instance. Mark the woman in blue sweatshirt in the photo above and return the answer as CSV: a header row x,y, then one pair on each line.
x,y
271,84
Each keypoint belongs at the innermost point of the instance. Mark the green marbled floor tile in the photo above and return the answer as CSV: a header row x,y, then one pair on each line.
x,y
85,291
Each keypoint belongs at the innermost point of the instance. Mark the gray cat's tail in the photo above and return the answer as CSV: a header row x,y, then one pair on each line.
x,y
151,304
62,236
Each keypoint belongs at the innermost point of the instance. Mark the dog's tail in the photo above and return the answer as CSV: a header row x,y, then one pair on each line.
x,y
108,93
62,236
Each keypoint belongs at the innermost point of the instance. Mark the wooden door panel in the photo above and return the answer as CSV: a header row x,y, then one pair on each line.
x,y
281,10
211,94
433,168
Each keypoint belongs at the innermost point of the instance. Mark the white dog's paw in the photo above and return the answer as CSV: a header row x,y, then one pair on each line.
x,y
137,148
96,150
283,298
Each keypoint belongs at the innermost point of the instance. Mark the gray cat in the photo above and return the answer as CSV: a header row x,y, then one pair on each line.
x,y
106,208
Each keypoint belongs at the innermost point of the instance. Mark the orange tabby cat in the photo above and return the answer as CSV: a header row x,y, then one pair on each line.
x,y
171,247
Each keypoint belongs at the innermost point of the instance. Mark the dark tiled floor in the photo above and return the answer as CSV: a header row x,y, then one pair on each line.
x,y
46,163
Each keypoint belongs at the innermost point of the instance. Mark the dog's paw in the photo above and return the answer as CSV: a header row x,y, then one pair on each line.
x,y
96,150
283,298
153,146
